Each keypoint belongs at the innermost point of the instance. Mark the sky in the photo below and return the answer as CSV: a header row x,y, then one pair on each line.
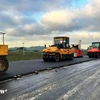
x,y
36,22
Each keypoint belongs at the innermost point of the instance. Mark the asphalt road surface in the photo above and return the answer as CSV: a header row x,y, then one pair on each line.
x,y
75,82
29,66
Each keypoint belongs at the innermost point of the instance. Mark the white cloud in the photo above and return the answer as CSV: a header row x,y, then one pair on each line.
x,y
86,18
70,19
79,23
58,20
32,5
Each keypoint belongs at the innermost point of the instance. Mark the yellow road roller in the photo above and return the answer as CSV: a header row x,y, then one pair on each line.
x,y
3,60
60,50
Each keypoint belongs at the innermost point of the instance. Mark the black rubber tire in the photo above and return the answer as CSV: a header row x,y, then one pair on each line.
x,y
98,55
72,57
57,57
90,57
3,65
44,59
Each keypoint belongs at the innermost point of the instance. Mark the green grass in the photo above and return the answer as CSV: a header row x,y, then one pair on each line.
x,y
16,56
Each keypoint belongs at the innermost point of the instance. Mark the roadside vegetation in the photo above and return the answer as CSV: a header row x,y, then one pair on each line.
x,y
27,55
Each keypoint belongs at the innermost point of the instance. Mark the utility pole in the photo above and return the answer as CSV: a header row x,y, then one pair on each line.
x,y
80,43
23,49
3,36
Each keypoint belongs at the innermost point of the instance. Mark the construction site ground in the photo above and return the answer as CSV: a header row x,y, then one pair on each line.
x,y
74,82
19,68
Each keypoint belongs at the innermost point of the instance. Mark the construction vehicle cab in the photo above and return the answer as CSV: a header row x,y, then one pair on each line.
x,y
77,50
3,61
59,50
94,50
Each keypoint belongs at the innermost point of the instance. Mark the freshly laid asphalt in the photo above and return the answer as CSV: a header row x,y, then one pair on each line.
x,y
75,82
30,66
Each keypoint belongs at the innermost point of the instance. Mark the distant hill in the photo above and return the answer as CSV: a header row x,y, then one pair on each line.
x,y
37,48
32,48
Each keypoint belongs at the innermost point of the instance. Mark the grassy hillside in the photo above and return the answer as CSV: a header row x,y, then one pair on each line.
x,y
16,56
30,53
32,48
